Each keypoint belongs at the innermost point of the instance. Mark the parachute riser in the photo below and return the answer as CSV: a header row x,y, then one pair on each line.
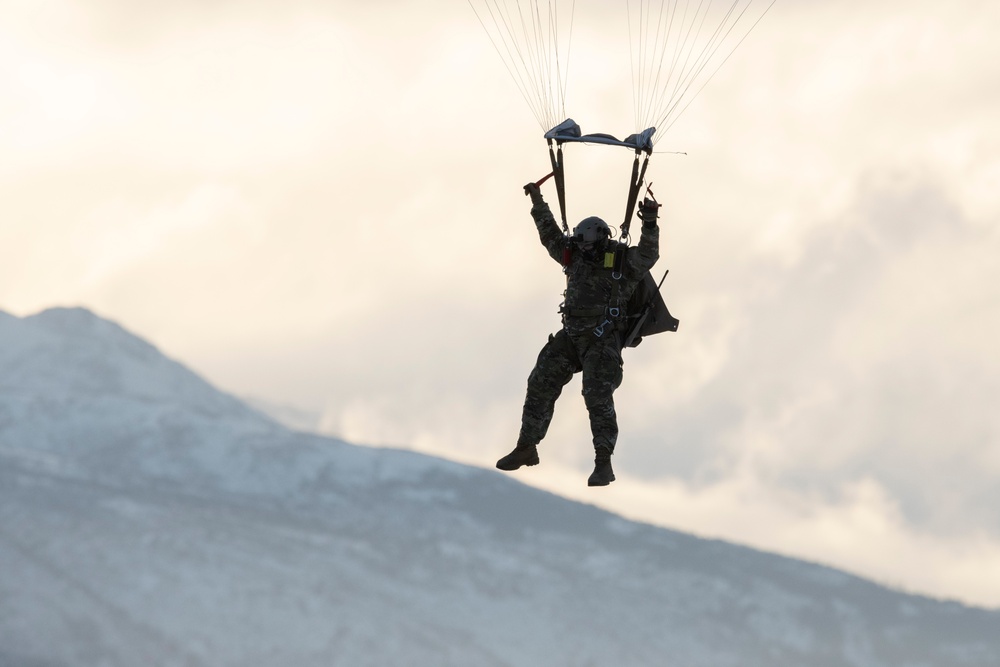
x,y
556,158
638,176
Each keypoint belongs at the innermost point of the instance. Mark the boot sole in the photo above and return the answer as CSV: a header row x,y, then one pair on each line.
x,y
591,482
511,467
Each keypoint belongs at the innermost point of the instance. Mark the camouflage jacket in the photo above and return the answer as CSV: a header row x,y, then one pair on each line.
x,y
595,294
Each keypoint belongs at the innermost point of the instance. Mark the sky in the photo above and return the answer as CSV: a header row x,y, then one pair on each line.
x,y
318,205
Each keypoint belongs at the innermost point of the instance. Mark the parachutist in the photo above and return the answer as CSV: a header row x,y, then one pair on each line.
x,y
601,275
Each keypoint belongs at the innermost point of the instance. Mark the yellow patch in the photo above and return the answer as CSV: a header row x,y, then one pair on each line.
x,y
609,260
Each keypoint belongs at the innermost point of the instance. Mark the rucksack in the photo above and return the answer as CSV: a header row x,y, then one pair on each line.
x,y
647,314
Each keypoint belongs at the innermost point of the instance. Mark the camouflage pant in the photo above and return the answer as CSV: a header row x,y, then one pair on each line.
x,y
562,357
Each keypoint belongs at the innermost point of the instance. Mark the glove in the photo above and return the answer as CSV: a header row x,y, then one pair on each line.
x,y
533,191
649,210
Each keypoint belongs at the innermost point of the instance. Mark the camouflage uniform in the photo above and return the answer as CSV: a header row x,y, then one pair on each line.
x,y
591,338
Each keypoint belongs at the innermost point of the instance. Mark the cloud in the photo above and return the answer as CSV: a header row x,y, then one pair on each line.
x,y
319,204
859,359
859,528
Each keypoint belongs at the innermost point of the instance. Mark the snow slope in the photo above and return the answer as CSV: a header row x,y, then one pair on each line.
x,y
149,519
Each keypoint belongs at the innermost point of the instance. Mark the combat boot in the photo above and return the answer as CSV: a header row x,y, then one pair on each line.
x,y
603,474
523,455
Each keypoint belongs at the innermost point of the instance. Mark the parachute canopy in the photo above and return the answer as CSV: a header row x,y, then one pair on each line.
x,y
674,46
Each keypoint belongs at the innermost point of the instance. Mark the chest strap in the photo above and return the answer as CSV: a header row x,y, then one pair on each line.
x,y
583,312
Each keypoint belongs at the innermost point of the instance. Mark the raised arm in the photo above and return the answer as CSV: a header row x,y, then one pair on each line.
x,y
548,230
644,255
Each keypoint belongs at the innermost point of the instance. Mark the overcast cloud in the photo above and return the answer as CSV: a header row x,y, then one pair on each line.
x,y
318,204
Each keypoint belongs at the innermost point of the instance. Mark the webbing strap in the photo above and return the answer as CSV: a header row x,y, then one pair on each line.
x,y
614,305
619,260
638,175
583,312
556,158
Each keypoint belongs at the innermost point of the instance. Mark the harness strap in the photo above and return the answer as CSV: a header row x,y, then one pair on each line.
x,y
619,260
583,312
614,306
614,310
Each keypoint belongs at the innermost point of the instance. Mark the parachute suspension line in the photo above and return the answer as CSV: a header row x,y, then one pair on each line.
x,y
687,48
678,48
562,77
678,68
638,84
675,45
513,53
728,56
533,62
631,62
529,40
643,52
550,70
646,81
638,56
645,115
516,75
538,56
684,83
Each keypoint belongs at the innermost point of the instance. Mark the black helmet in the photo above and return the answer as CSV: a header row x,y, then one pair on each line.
x,y
591,230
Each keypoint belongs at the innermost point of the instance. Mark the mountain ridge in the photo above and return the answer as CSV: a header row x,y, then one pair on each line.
x,y
135,504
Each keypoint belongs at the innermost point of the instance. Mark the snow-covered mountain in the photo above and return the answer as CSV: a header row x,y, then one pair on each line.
x,y
149,519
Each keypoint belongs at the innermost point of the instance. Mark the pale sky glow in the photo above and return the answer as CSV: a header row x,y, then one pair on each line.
x,y
318,204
